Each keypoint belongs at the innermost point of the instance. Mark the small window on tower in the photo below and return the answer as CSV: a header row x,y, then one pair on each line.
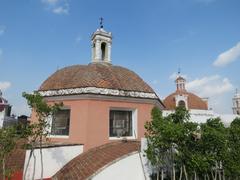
x,y
103,50
182,104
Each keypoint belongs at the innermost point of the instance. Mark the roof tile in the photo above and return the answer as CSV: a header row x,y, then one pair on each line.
x,y
88,163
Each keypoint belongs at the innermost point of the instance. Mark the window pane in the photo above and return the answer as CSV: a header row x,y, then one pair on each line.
x,y
182,104
120,123
60,122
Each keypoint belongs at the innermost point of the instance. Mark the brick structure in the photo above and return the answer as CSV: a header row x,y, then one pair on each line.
x,y
181,97
96,159
102,102
193,101
96,75
15,161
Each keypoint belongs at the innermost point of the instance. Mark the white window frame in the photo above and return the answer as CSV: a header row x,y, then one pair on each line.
x,y
134,123
50,120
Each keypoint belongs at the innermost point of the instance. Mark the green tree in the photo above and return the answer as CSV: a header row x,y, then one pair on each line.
x,y
163,135
8,139
37,132
214,145
232,162
191,150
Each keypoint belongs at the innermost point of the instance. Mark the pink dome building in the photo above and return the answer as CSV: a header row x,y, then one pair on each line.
x,y
102,102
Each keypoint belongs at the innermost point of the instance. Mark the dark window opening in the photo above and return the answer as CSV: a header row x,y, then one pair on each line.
x,y
60,122
182,104
120,123
103,50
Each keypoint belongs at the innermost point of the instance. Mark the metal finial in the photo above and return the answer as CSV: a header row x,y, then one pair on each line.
x,y
101,22
179,71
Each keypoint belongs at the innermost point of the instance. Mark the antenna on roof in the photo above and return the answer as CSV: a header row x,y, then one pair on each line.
x,y
101,22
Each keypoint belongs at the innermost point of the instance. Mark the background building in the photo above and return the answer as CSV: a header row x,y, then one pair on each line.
x,y
236,103
5,111
198,107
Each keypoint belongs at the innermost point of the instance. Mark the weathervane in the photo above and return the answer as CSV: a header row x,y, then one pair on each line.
x,y
101,22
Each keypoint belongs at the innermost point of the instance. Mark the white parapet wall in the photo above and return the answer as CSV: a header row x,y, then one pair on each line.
x,y
54,158
201,116
1,118
127,168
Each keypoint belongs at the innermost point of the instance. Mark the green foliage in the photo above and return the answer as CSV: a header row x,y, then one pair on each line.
x,y
233,157
37,130
37,102
8,139
205,149
181,115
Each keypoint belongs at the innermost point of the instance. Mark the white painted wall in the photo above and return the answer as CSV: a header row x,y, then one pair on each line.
x,y
128,168
54,159
201,116
2,115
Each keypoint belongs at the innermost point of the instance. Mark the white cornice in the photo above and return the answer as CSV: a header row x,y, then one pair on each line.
x,y
100,91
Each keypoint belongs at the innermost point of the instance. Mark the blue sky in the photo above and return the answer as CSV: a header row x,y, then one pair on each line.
x,y
152,37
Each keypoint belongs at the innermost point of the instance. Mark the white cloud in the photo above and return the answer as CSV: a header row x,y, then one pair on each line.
x,y
174,76
210,86
218,89
228,56
2,29
57,6
4,85
50,2
61,10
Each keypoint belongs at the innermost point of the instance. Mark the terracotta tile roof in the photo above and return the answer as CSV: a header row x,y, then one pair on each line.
x,y
96,75
194,102
15,161
88,163
180,78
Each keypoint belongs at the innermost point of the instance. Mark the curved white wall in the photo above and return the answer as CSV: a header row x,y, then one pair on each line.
x,y
54,158
128,168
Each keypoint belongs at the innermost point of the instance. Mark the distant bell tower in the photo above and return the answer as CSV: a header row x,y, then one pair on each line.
x,y
236,103
182,98
101,45
180,82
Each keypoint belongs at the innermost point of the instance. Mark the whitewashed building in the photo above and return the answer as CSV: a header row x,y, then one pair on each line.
x,y
198,107
5,109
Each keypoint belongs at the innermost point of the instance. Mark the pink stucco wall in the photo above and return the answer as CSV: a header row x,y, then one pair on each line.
x,y
89,120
